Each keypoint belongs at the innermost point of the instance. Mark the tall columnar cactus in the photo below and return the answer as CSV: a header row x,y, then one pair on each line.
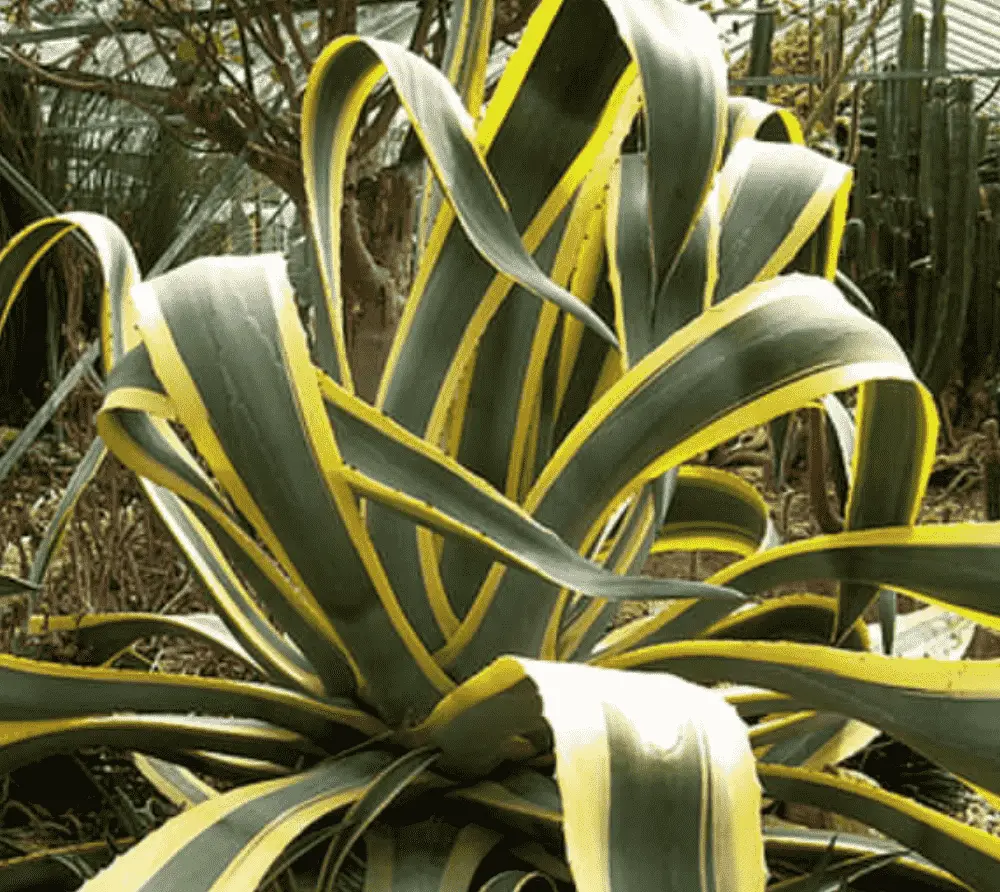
x,y
988,274
924,243
938,48
761,43
955,284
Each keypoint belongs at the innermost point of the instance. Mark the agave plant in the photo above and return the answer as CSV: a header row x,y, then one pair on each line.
x,y
427,586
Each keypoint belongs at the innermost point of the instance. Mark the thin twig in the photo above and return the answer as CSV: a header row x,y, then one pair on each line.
x,y
287,17
985,100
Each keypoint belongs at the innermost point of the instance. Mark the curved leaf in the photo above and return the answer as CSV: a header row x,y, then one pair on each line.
x,y
809,739
133,422
105,634
578,262
539,170
645,36
118,264
688,290
379,795
119,334
497,420
621,768
970,854
951,563
34,690
179,785
216,542
806,619
466,55
828,740
120,270
940,708
630,256
715,510
753,119
898,424
339,83
230,841
491,424
23,740
432,856
773,197
805,847
836,877
677,52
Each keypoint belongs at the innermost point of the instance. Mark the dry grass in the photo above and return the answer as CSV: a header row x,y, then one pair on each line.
x,y
116,555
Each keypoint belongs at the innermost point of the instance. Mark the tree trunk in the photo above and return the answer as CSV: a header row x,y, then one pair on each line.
x,y
375,257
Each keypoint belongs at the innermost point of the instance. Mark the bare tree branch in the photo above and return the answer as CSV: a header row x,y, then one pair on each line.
x,y
272,44
288,21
